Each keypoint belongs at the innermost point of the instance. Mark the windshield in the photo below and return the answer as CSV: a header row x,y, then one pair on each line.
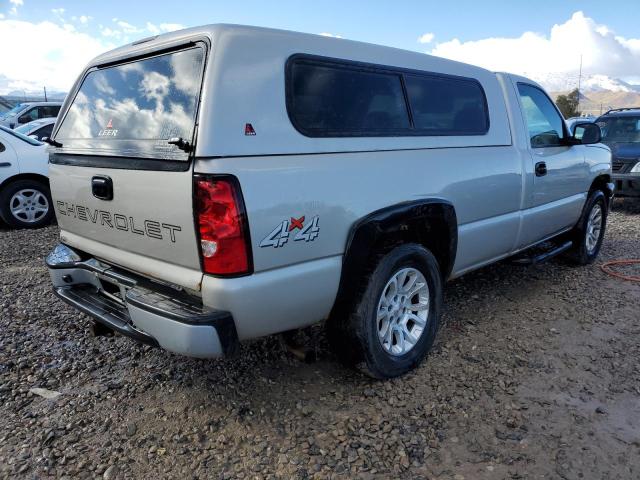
x,y
133,109
19,135
622,129
15,109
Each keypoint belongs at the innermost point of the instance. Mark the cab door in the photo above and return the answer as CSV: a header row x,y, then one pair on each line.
x,y
8,161
558,168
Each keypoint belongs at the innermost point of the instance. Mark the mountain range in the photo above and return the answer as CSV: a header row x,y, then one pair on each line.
x,y
598,93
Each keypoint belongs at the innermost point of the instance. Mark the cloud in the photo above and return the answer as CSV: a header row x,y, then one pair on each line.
x,y
57,62
16,4
332,35
54,63
553,58
171,27
127,28
426,38
108,32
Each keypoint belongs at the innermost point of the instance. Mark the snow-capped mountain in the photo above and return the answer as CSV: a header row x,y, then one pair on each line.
x,y
600,83
562,82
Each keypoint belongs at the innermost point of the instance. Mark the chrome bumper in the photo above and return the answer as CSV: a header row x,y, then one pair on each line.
x,y
152,313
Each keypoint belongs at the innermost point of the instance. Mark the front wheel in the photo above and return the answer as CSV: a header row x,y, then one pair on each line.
x,y
395,321
26,204
588,234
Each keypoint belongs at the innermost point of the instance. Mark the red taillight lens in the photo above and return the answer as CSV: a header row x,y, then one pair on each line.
x,y
220,218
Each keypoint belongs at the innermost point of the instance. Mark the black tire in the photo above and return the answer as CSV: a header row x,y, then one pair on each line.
x,y
580,253
359,333
21,221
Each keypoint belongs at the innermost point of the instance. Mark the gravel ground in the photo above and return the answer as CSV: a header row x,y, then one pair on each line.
x,y
535,374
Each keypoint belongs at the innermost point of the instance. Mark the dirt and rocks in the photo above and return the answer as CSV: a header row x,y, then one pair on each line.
x,y
535,374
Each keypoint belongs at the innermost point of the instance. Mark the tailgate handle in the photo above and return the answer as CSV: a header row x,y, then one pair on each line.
x,y
102,187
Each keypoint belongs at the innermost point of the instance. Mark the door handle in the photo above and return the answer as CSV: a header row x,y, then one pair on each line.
x,y
541,169
102,187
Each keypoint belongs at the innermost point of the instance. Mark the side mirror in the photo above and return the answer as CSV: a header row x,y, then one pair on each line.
x,y
35,137
587,133
24,119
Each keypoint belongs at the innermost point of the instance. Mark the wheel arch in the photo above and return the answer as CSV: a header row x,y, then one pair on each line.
x,y
603,182
25,176
431,223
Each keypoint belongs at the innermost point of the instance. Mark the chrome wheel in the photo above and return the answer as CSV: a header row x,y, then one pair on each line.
x,y
594,227
29,205
403,311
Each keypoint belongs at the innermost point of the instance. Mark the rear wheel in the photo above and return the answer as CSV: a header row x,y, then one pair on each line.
x,y
394,322
588,234
26,204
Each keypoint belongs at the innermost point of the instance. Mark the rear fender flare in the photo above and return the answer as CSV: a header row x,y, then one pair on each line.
x,y
429,222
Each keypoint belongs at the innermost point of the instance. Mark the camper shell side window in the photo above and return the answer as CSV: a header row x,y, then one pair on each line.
x,y
329,97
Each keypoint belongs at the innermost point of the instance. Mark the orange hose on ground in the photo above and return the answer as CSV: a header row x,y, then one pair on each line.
x,y
606,268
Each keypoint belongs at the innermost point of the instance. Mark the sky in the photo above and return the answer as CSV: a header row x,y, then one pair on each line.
x,y
48,42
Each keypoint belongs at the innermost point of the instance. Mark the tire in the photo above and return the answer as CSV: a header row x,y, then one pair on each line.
x,y
26,204
587,238
393,351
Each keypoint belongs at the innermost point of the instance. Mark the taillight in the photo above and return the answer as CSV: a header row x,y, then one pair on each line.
x,y
222,226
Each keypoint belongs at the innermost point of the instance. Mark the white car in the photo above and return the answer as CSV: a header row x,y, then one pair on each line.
x,y
25,199
38,129
28,112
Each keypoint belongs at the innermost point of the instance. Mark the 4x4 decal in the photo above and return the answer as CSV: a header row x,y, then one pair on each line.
x,y
281,234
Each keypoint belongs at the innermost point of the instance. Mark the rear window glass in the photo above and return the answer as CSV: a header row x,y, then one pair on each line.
x,y
446,106
132,109
343,101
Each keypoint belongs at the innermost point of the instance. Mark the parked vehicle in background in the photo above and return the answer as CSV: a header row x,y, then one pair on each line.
x,y
621,132
573,121
28,112
25,199
38,129
346,181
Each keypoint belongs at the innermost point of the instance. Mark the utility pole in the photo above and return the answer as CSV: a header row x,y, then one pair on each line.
x,y
579,83
45,94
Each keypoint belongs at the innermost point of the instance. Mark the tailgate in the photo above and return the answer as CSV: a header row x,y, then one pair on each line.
x,y
151,215
121,173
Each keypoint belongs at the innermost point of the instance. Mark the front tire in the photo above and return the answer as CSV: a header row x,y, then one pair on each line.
x,y
26,204
394,322
588,234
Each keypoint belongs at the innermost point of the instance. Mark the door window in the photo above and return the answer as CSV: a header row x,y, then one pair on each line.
x,y
544,123
48,111
29,116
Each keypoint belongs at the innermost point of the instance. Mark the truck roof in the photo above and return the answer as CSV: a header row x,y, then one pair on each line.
x,y
232,31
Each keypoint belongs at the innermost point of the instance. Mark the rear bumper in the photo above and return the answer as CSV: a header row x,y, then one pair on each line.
x,y
627,184
158,315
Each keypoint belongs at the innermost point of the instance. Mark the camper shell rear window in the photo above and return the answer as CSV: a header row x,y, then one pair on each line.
x,y
132,109
329,97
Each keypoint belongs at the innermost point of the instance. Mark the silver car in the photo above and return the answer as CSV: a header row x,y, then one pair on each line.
x,y
28,112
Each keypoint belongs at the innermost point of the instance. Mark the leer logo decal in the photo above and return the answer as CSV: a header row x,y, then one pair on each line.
x,y
285,230
109,131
